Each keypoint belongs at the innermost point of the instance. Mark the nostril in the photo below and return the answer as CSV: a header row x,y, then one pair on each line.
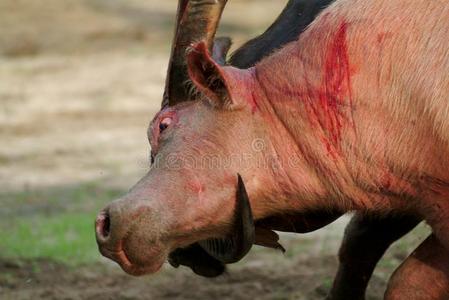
x,y
103,225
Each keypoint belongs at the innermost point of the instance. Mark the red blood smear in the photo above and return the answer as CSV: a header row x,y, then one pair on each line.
x,y
335,87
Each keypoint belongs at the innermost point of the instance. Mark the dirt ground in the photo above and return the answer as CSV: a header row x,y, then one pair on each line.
x,y
79,82
304,272
299,280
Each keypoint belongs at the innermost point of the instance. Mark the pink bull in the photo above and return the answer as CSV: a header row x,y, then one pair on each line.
x,y
352,116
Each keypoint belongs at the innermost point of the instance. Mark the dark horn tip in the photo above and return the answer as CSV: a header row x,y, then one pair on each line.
x,y
239,181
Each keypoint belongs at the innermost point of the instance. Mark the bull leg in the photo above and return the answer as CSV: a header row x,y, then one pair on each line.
x,y
424,275
438,218
366,240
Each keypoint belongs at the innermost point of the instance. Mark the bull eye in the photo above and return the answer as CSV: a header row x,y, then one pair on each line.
x,y
164,124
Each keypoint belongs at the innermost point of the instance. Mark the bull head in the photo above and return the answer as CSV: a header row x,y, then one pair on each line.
x,y
192,208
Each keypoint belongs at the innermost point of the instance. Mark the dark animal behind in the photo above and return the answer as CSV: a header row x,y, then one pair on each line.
x,y
295,17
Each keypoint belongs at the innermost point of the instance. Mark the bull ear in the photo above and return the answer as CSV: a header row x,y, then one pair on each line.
x,y
225,87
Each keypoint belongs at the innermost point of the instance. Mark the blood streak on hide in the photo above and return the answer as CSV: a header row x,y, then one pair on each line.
x,y
334,94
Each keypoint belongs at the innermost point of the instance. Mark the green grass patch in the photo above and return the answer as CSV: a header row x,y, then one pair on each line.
x,y
55,223
67,237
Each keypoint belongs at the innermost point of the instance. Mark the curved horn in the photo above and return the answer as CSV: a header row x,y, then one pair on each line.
x,y
233,248
196,20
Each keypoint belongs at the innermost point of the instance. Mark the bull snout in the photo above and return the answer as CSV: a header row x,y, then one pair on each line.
x,y
103,228
110,235
123,235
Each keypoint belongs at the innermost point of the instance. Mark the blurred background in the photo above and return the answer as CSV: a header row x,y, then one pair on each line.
x,y
79,82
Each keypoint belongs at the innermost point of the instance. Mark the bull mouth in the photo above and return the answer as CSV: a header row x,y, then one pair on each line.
x,y
120,256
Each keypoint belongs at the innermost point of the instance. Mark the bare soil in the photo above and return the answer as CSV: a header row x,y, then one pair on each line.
x,y
44,279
